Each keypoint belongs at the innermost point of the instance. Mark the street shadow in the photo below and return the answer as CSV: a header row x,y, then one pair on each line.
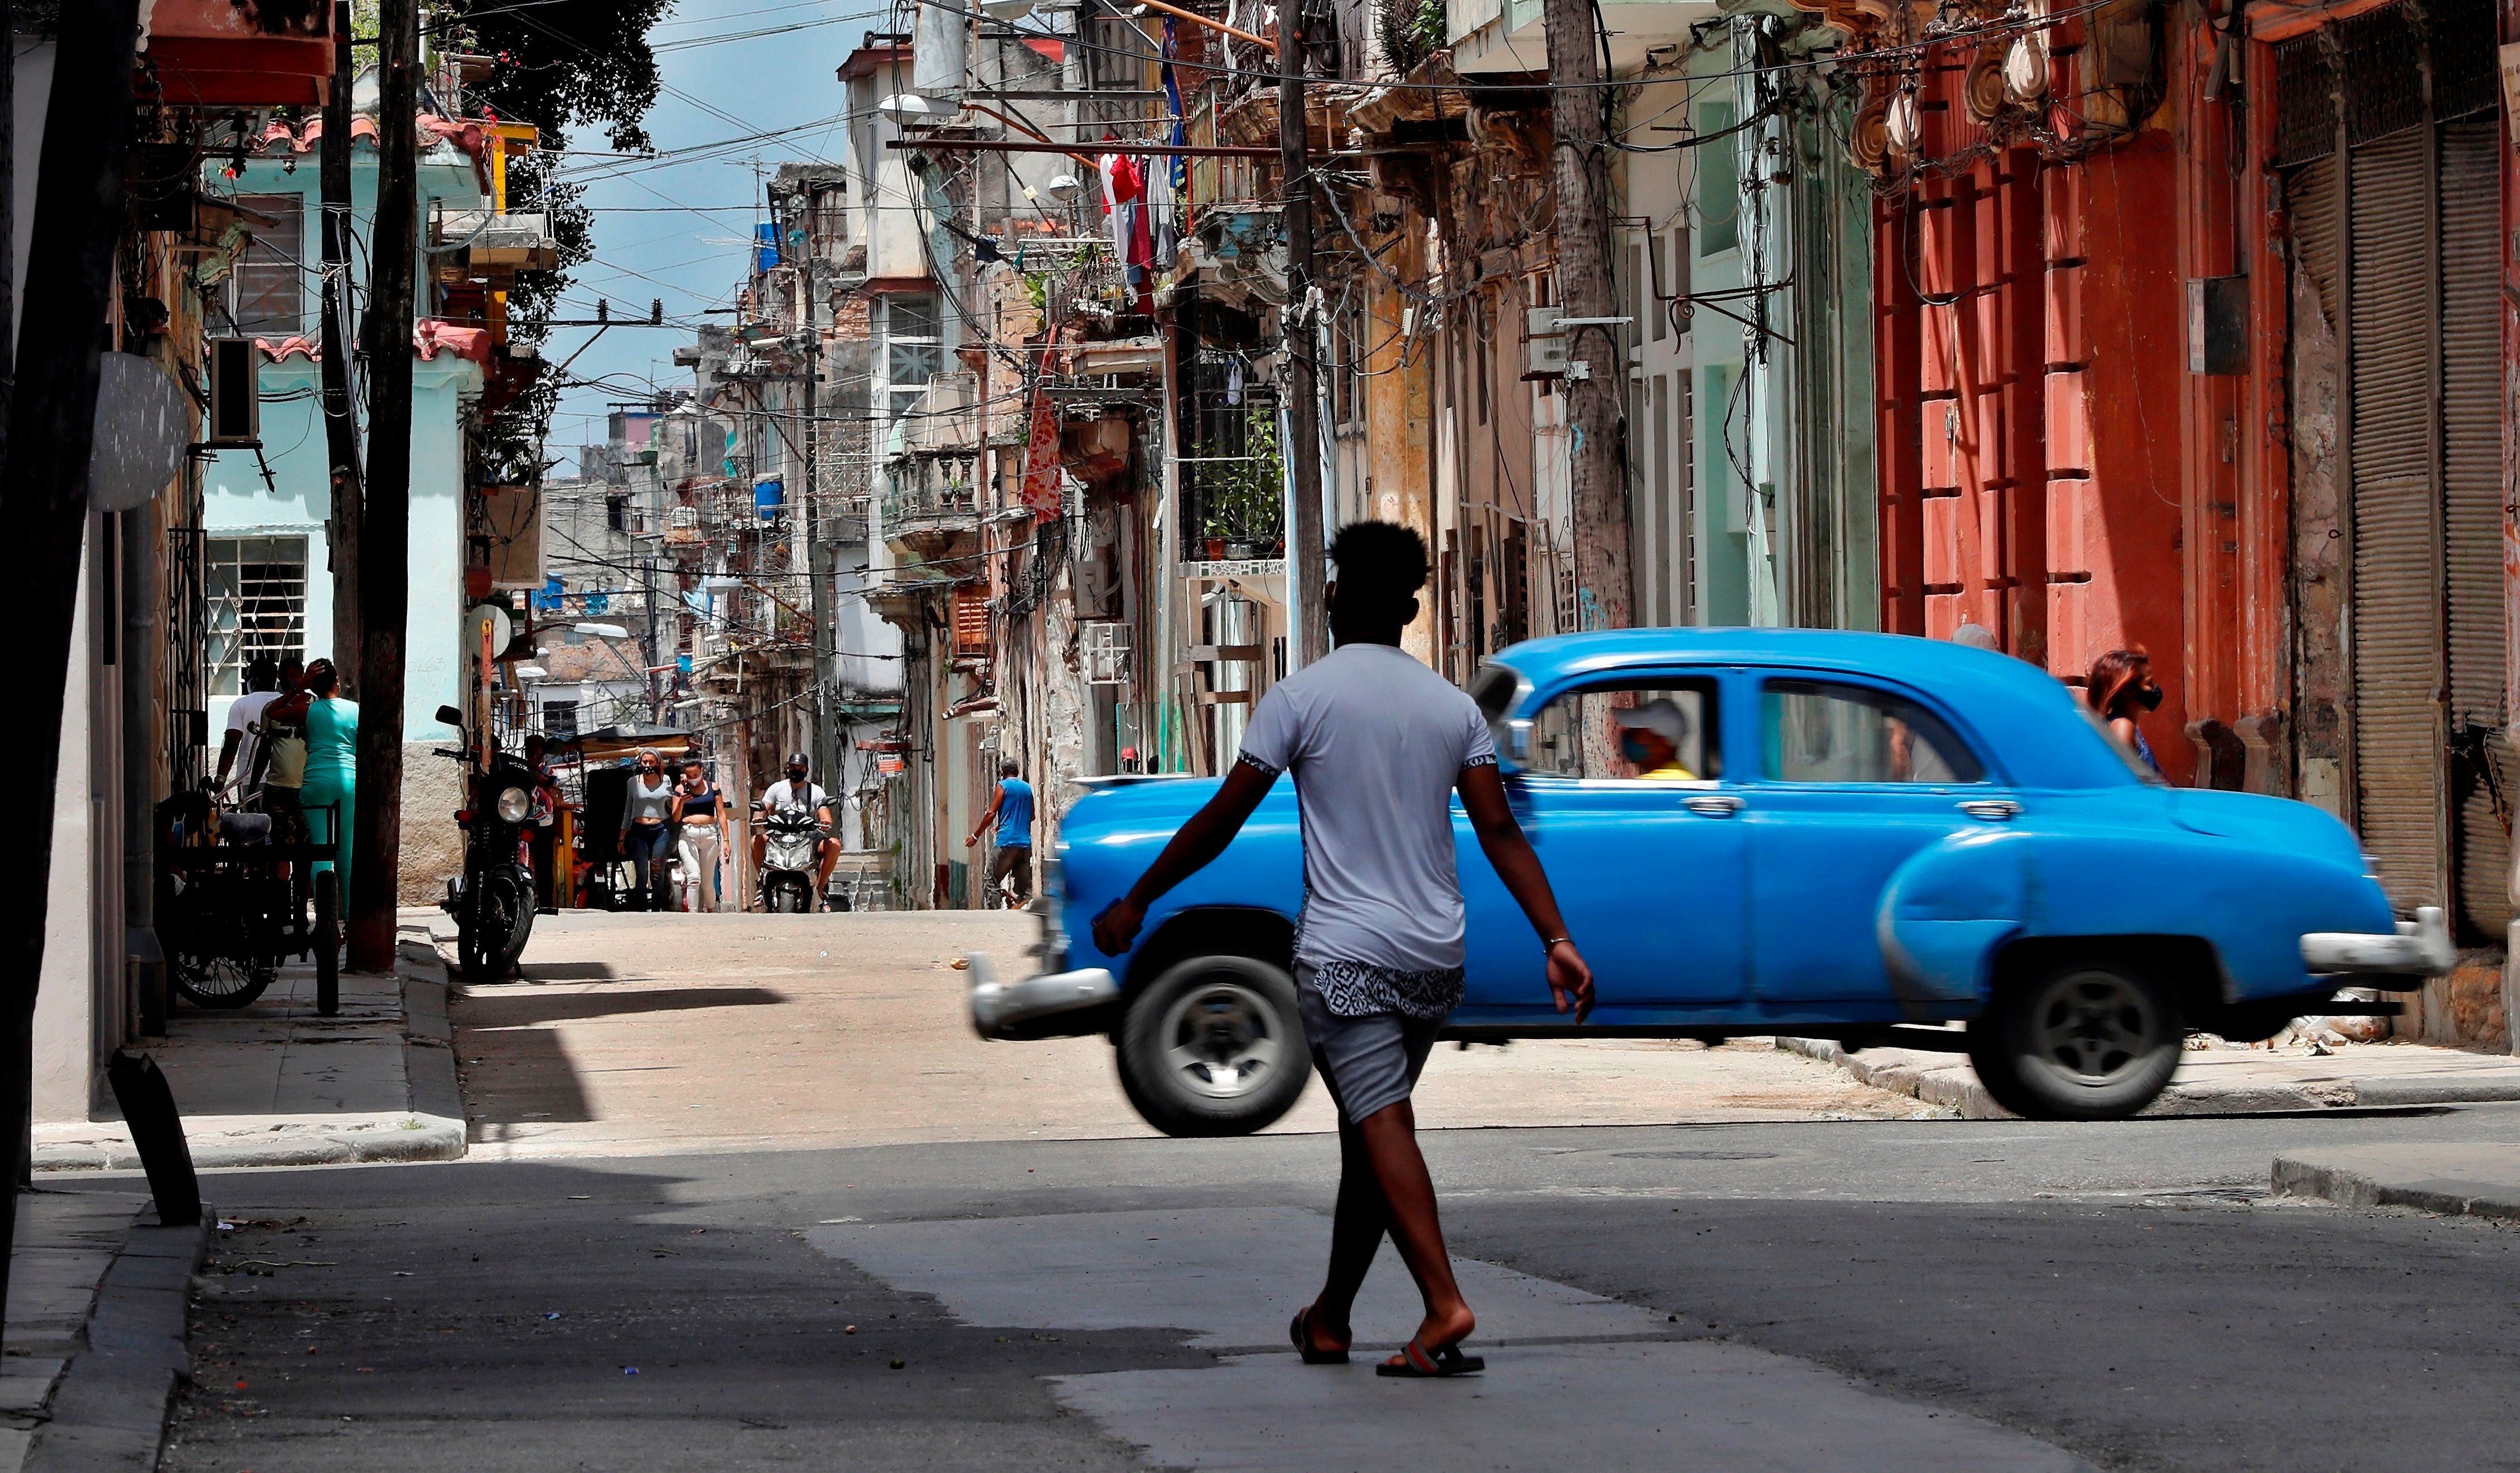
x,y
569,971
524,1009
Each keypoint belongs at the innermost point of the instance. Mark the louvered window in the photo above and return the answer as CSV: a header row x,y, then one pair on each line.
x,y
2398,235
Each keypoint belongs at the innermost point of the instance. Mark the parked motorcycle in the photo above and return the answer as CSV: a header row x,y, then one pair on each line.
x,y
791,840
493,901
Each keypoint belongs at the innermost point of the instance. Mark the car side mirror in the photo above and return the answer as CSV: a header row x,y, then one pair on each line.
x,y
448,716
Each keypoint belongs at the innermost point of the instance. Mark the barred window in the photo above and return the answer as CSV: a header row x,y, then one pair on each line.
x,y
256,593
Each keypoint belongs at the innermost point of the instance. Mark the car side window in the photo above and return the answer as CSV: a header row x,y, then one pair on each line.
x,y
1826,731
1654,731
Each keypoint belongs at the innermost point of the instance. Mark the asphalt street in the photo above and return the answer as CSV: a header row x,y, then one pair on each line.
x,y
1827,1294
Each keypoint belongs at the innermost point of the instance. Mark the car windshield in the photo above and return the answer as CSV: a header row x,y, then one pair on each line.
x,y
1494,688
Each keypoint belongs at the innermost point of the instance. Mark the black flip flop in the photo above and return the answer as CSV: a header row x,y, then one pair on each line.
x,y
1301,1332
1418,1363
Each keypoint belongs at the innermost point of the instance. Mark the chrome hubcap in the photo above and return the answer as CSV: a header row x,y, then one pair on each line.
x,y
2094,1027
1222,1040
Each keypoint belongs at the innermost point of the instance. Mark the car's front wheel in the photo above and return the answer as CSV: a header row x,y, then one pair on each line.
x,y
2077,1039
1214,1046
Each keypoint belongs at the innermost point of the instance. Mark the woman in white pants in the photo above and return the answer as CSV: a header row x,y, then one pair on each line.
x,y
702,838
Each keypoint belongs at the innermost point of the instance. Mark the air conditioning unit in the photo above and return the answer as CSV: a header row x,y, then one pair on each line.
x,y
235,417
1108,654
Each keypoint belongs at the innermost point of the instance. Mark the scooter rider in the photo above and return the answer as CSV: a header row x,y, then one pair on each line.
x,y
789,796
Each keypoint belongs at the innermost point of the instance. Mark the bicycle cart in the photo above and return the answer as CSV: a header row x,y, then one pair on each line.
x,y
232,906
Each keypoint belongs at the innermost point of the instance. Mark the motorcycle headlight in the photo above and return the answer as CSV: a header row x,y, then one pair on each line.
x,y
514,805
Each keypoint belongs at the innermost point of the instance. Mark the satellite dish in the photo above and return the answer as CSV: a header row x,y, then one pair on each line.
x,y
490,621
144,423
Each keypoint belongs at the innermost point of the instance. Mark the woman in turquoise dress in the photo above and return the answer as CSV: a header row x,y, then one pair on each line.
x,y
332,768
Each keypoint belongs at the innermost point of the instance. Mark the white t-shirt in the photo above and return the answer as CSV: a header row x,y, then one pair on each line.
x,y
782,796
242,715
1375,740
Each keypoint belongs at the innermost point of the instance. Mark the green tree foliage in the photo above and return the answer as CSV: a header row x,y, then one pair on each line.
x,y
1411,30
566,66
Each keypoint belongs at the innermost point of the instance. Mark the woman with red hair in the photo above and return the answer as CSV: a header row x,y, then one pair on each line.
x,y
2121,689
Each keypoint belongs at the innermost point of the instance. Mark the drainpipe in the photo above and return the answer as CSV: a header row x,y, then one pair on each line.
x,y
144,962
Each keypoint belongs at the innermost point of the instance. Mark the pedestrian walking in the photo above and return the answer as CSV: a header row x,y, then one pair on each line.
x,y
700,822
1011,810
648,828
2121,689
282,752
1377,743
237,749
328,792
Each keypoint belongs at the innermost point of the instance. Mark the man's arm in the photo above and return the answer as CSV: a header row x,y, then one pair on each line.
x,y
1199,841
1501,840
995,800
227,752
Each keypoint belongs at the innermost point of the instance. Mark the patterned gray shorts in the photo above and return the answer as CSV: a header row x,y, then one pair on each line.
x,y
1369,1063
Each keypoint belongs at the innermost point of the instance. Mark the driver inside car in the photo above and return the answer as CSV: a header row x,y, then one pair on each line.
x,y
1650,738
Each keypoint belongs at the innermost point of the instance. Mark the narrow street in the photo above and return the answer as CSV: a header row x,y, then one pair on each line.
x,y
741,1205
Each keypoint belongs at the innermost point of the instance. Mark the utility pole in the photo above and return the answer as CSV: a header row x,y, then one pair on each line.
x,y
43,488
340,420
821,567
1306,541
384,531
1596,373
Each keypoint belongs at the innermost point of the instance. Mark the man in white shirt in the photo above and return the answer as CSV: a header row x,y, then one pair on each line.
x,y
795,794
1377,744
261,688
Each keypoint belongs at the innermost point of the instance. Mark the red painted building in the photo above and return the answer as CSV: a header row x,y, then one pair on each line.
x,y
2193,325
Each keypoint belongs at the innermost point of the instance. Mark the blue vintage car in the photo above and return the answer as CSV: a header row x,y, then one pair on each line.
x,y
1860,834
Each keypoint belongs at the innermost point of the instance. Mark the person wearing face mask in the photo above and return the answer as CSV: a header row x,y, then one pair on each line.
x,y
648,828
792,794
1650,738
2121,689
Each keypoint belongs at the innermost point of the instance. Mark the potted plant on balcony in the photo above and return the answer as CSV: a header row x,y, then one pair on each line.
x,y
1244,491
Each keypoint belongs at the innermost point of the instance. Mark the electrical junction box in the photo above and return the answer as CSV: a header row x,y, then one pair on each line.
x,y
1547,345
2217,325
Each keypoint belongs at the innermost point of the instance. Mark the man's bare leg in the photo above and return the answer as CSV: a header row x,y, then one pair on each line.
x,y
1356,1236
1390,1138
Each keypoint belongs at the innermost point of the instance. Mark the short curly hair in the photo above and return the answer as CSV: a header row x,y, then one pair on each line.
x,y
1380,567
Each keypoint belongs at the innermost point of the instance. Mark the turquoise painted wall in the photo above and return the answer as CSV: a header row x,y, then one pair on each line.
x,y
237,502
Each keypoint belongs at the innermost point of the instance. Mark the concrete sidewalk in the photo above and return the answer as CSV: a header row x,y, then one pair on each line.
x,y
2471,1180
277,1083
2225,1080
97,1317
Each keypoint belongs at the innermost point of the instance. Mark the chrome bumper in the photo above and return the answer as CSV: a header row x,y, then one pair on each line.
x,y
2422,947
1012,1009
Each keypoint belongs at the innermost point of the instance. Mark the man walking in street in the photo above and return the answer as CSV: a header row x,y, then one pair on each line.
x,y
1010,809
1377,743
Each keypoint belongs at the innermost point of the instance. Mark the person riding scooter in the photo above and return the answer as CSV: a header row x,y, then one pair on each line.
x,y
795,795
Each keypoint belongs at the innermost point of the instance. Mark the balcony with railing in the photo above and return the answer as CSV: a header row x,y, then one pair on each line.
x,y
932,487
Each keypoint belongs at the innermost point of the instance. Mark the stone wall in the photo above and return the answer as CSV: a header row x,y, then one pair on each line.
x,y
433,847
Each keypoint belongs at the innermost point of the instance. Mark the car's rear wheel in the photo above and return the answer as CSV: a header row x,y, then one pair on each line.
x,y
2078,1039
1214,1046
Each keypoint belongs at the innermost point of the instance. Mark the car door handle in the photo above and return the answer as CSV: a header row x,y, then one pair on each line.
x,y
1713,805
1992,809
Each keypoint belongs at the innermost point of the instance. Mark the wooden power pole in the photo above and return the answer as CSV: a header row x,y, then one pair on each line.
x,y
340,419
50,427
384,532
1595,370
1306,541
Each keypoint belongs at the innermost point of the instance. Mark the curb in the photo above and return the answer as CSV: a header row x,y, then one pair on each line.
x,y
2346,1187
108,1411
1932,1078
231,1141
1937,1080
429,1039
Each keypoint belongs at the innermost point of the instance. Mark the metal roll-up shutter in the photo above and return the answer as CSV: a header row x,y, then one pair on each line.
x,y
2396,620
2310,199
2471,321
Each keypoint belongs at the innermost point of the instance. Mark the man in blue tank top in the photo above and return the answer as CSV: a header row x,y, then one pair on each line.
x,y
1011,806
